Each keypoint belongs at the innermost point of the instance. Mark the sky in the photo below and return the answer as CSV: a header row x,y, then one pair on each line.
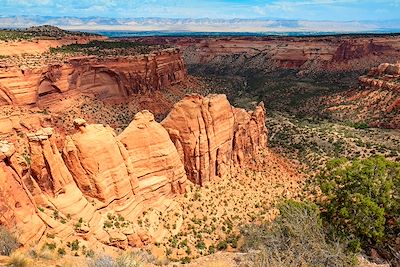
x,y
335,10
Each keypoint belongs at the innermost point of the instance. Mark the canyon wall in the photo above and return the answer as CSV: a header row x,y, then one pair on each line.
x,y
376,101
104,78
310,54
73,186
211,136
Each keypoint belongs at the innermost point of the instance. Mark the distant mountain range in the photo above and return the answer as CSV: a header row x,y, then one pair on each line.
x,y
200,25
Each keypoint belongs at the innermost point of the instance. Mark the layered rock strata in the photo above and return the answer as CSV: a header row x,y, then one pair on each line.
x,y
103,78
376,101
74,186
211,136
308,54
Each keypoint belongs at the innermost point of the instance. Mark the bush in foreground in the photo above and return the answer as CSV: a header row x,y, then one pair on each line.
x,y
295,238
18,260
361,199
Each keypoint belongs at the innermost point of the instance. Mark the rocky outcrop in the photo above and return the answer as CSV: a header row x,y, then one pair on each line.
x,y
36,46
211,136
74,186
250,135
376,101
108,175
154,158
49,187
385,76
103,78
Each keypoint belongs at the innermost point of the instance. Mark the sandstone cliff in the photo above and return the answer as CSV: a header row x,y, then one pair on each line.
x,y
80,186
104,78
307,54
376,101
211,136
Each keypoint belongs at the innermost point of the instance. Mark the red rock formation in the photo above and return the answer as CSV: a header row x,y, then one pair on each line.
x,y
70,185
376,101
100,171
211,136
153,156
310,54
103,78
250,134
96,172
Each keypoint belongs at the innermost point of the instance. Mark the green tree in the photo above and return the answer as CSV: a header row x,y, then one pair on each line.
x,y
360,198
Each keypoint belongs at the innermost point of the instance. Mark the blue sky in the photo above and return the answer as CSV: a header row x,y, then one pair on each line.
x,y
338,10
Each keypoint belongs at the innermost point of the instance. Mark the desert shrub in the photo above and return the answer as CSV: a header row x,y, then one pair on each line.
x,y
131,259
222,245
361,125
8,242
61,251
102,261
361,199
18,260
296,236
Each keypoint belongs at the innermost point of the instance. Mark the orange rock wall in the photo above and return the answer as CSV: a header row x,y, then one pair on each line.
x,y
336,53
104,78
50,181
212,137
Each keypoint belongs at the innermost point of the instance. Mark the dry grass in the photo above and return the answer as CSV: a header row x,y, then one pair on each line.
x,y
8,242
19,260
295,238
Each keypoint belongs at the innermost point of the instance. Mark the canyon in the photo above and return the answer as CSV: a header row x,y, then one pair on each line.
x,y
305,54
345,78
67,185
172,144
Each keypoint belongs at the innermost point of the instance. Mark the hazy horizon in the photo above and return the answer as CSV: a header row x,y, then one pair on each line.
x,y
205,16
313,10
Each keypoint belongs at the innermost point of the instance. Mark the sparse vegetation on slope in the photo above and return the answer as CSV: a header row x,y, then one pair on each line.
x,y
42,32
108,48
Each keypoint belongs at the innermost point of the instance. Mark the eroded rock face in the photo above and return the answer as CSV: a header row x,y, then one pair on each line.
x,y
103,78
211,136
376,101
17,207
74,186
99,163
250,134
154,158
317,54
92,174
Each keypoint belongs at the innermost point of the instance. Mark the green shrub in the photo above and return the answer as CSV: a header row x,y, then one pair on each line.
x,y
75,245
8,242
61,251
361,125
211,249
222,245
296,236
361,198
